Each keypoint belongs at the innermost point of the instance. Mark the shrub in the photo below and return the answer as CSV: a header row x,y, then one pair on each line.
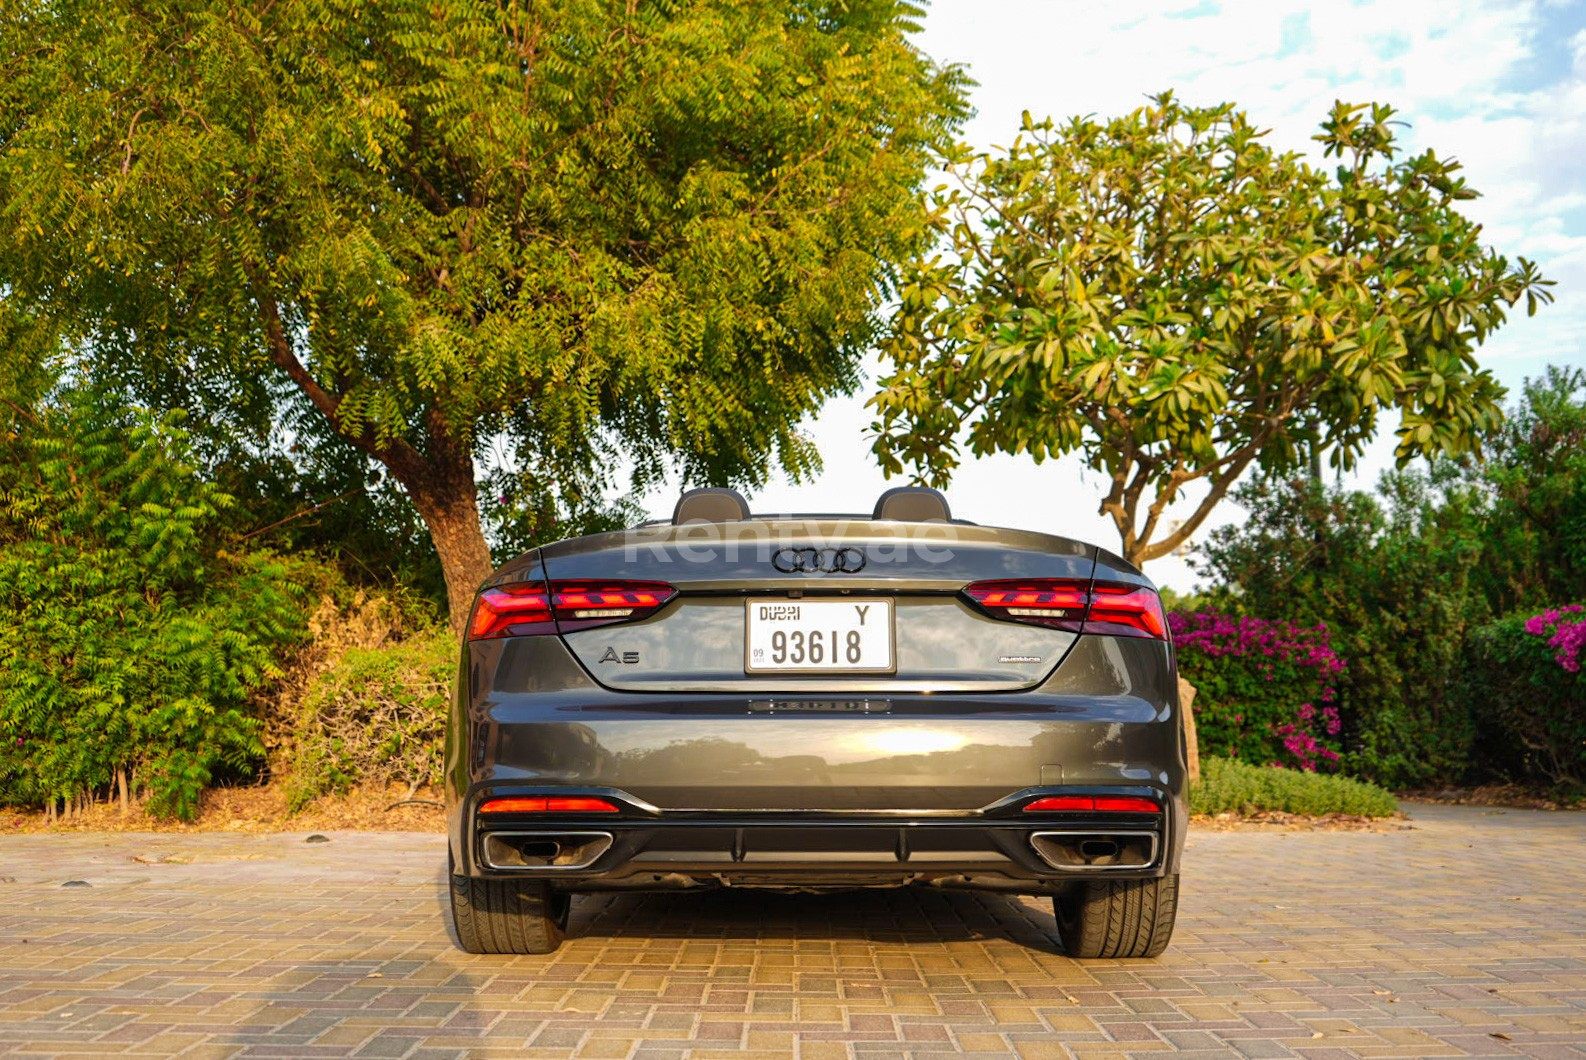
x,y
131,633
1264,689
1395,577
1527,691
1229,786
376,713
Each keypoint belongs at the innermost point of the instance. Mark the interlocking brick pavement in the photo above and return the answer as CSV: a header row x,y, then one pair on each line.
x,y
1465,936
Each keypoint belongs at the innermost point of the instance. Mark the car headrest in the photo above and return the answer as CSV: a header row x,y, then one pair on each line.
x,y
913,504
710,506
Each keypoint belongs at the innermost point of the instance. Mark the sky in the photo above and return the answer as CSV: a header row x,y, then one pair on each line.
x,y
1499,85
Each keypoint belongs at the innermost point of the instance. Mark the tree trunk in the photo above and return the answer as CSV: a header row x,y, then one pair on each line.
x,y
443,490
1192,744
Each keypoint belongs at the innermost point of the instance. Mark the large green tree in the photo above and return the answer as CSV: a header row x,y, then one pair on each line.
x,y
599,232
1170,297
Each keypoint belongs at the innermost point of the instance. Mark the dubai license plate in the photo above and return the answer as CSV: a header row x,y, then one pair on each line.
x,y
819,636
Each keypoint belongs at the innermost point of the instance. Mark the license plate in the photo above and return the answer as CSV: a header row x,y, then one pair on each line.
x,y
818,636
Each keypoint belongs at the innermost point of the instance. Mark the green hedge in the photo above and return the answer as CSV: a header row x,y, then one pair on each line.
x,y
1229,786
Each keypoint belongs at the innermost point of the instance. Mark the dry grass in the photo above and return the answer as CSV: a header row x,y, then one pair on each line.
x,y
1510,795
257,809
1278,821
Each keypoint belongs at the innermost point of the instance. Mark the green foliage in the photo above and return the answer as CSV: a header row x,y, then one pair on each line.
x,y
1229,786
1529,707
302,491
577,230
1536,475
1171,298
1409,581
523,511
377,715
131,633
1396,577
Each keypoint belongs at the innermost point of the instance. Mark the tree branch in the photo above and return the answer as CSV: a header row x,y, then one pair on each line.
x,y
299,515
1219,490
400,456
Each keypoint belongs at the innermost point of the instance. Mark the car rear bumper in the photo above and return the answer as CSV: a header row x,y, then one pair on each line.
x,y
999,847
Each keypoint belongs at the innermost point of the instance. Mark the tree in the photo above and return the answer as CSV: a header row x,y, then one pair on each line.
x,y
1397,578
1171,298
597,233
1536,474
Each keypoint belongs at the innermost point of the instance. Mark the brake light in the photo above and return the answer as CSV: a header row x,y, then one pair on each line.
x,y
548,804
1126,611
512,610
1077,606
1043,602
1126,804
1093,804
528,608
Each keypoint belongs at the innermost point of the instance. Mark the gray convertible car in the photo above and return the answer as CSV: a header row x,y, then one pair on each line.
x,y
817,702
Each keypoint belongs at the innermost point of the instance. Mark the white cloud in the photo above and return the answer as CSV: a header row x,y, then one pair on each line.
x,y
1471,77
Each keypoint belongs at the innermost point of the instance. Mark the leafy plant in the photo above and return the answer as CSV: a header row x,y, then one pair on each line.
x,y
131,633
588,233
1536,476
1230,786
1176,301
1398,579
376,715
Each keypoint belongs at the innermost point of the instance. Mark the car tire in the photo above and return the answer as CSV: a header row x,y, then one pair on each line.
x,y
1116,918
508,916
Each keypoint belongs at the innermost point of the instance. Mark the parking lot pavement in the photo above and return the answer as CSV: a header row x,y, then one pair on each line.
x,y
1466,935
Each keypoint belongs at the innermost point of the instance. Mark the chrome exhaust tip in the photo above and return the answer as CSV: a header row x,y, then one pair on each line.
x,y
543,850
1089,851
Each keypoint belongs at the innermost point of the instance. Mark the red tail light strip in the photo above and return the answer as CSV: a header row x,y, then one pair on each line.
x,y
1093,804
527,608
1078,606
548,804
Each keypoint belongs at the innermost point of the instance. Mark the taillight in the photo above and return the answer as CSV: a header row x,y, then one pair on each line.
x,y
1042,601
528,608
512,610
1125,611
1093,804
1079,606
548,804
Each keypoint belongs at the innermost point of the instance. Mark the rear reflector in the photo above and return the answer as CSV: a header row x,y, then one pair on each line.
x,y
1093,804
1077,606
527,608
548,804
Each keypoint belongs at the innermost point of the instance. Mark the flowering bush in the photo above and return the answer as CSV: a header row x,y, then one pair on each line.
x,y
1527,691
1568,636
1265,691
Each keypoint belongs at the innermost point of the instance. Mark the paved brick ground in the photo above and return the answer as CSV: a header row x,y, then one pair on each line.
x,y
1465,936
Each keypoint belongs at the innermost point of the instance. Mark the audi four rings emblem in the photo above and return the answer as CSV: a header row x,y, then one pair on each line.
x,y
819,560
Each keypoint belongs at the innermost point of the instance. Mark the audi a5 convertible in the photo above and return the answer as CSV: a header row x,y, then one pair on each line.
x,y
817,702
